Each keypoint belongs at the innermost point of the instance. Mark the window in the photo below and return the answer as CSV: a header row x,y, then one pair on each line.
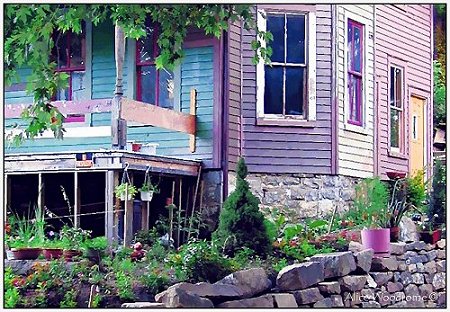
x,y
355,65
396,108
286,87
153,86
69,54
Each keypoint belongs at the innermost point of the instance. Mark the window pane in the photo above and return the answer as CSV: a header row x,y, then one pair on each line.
x,y
357,50
398,88
355,98
273,90
166,88
296,39
391,86
275,24
349,46
78,85
146,46
62,51
395,128
62,94
147,84
77,50
295,86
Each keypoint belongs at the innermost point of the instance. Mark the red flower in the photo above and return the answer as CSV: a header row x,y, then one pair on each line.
x,y
7,228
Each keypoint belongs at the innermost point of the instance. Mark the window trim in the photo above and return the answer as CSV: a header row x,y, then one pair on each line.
x,y
310,55
361,128
87,61
401,150
351,72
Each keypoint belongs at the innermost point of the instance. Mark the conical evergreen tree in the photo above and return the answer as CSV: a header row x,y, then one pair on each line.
x,y
241,224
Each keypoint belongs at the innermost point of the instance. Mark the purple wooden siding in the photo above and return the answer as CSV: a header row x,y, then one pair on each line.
x,y
234,94
281,149
406,36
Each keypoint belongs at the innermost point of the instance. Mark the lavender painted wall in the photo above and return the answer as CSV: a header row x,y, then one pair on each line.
x,y
281,149
403,34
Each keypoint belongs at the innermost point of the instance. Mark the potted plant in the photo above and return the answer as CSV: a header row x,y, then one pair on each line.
x,y
53,248
72,240
95,248
148,189
27,236
371,201
428,232
124,188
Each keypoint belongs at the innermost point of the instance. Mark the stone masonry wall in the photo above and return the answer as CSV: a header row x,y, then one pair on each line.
x,y
414,275
304,195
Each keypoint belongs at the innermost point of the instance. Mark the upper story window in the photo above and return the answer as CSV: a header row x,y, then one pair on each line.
x,y
153,86
355,72
286,87
396,104
69,53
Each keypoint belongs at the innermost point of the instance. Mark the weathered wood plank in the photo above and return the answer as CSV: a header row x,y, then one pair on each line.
x,y
153,115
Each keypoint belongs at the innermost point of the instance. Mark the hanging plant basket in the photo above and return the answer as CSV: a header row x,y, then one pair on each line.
x,y
123,198
147,196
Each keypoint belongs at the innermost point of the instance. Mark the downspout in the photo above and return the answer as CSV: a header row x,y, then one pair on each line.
x,y
334,99
241,73
375,102
225,112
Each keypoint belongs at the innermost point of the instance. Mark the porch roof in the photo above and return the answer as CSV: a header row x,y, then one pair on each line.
x,y
102,160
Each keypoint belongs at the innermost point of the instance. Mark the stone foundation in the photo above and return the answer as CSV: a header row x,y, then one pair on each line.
x,y
211,198
304,195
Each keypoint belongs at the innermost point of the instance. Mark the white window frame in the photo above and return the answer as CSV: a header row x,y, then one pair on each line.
x,y
365,92
310,36
400,150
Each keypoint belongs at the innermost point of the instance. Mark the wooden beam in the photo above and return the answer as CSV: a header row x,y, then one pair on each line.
x,y
152,115
193,111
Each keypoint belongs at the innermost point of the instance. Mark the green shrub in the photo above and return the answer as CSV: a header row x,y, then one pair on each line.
x,y
155,281
201,261
241,224
438,195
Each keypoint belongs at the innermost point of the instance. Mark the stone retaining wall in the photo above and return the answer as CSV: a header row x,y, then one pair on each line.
x,y
305,195
413,275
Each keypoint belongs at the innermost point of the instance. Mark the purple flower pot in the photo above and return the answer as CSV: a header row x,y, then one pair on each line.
x,y
377,239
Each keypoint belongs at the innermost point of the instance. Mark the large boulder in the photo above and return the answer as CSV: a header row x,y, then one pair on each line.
x,y
336,264
251,282
265,301
353,283
408,230
398,248
384,264
151,305
364,260
300,276
176,297
381,278
307,296
215,292
284,301
330,287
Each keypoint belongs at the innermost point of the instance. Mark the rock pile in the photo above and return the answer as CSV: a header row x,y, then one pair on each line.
x,y
412,276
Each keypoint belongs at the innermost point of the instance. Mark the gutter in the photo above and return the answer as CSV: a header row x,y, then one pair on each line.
x,y
334,95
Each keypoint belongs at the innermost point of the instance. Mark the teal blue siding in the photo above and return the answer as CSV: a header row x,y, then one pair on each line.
x,y
103,62
196,72
19,96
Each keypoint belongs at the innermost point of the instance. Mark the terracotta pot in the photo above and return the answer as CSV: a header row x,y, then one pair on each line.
x,y
26,253
377,239
69,254
431,238
52,253
395,232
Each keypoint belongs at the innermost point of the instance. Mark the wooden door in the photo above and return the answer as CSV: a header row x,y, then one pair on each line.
x,y
417,135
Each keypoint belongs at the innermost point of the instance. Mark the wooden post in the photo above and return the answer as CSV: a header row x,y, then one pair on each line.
x,y
171,212
109,206
7,188
179,212
117,206
128,217
194,201
119,126
41,188
77,204
193,111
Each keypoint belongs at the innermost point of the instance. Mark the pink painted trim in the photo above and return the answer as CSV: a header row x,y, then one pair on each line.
x,y
334,99
75,118
430,108
204,42
218,46
65,107
353,73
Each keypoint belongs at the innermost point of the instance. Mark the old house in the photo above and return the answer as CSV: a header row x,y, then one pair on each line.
x,y
348,96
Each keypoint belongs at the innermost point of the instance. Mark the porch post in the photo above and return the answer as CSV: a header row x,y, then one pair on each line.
x,y
118,125
76,206
128,217
40,191
109,205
